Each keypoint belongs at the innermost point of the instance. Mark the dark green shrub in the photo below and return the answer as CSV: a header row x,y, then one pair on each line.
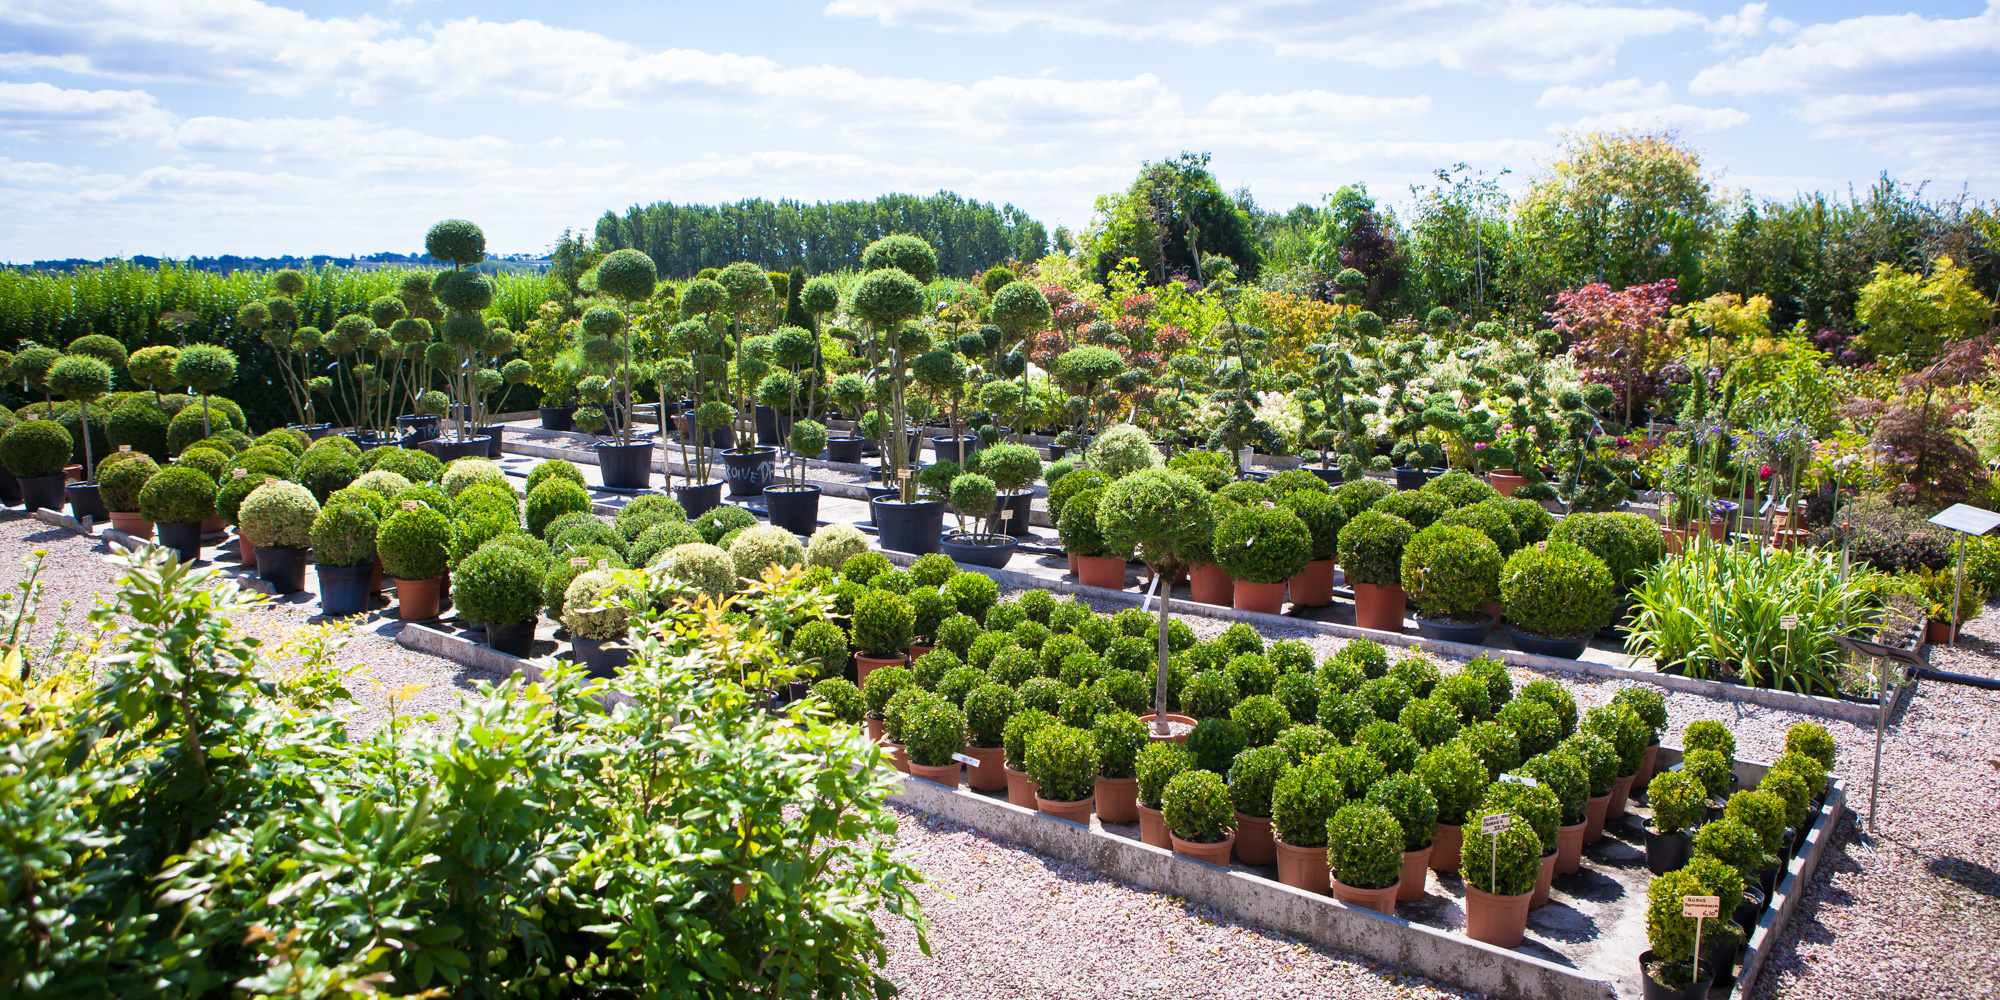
x,y
1240,639
659,538
1389,743
1036,605
1354,768
1253,775
1304,799
972,594
932,570
1078,669
1793,791
1626,550
864,567
898,709
1077,525
1081,706
1343,715
1044,693
1460,488
175,495
841,699
119,483
553,499
139,423
1214,743
1064,489
1261,718
1012,666
1385,696
1299,694
423,467
1451,572
1564,775
1365,846
1365,654
1117,739
1358,495
1734,844
1468,693
1261,544
1513,857
1678,802
1456,777
1558,699
559,468
1156,765
1534,725
1097,633
1671,935
988,708
1710,769
957,634
1627,732
1599,760
1763,813
1321,515
1430,721
1410,801
327,471
1290,656
564,568
721,520
1537,805
1533,524
882,684
1371,549
1128,690
1197,807
1209,694
1557,590
1302,741
36,448
1420,509
928,608
882,623
821,645
498,585
1809,739
1130,653
1418,673
1652,707
1062,760
1495,745
931,667
1491,518
1058,648
1031,636
1499,684
932,732
344,534
1708,734
210,462
1253,674
413,544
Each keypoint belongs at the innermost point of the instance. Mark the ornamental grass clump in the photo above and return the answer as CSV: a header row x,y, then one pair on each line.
x,y
1197,807
1062,760
1365,846
1451,573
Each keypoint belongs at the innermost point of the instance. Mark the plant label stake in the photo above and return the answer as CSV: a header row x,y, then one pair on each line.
x,y
1700,908
967,761
1520,779
1788,622
1494,826
411,504
124,449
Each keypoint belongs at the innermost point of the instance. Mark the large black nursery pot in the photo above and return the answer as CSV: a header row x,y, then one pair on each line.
x,y
908,527
1022,504
184,539
1696,990
625,466
843,448
283,567
1331,477
10,488
750,470
1472,635
1568,648
313,431
84,501
44,492
700,498
451,451
514,640
990,551
343,590
772,427
874,491
558,418
601,657
492,434
1056,452
1666,852
946,448
1408,478
417,428
793,508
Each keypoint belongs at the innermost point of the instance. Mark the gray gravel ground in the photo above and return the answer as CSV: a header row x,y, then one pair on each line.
x,y
1911,912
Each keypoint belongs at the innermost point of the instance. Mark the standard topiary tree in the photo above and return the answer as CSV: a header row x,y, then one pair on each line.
x,y
83,379
1166,519
205,369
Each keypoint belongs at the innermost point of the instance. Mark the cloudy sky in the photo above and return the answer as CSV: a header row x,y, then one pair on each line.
x,y
178,127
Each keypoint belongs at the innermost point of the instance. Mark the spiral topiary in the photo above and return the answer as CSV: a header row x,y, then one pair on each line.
x,y
278,515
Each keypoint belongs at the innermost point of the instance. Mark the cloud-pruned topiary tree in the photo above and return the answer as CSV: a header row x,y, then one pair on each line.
x,y
885,299
628,276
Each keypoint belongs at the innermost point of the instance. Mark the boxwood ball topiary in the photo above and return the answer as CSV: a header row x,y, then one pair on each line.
x,y
1533,723
34,448
457,241
988,707
278,515
177,495
553,499
119,483
594,606
832,545
326,472
498,585
1451,572
1253,775
1261,544
140,423
1409,800
1197,807
1019,729
1809,739
1564,775
704,567
1557,589
344,533
467,471
1389,743
1215,742
905,253
1371,548
657,539
1512,863
933,731
719,521
761,547
1365,846
558,468
413,544
1415,506
562,571
1261,717
1627,732
1062,760
1558,699
1456,777
840,699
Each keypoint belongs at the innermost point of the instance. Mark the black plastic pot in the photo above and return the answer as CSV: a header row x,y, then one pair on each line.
x,y
908,527
625,466
452,451
1666,853
417,428
1409,479
10,488
283,567
1056,452
1022,504
1471,635
772,427
492,434
599,657
1566,648
558,418
514,640
1751,908
700,498
750,471
845,448
1697,990
1331,477
945,449
84,501
44,492
1614,630
344,590
793,508
184,539
874,491
968,550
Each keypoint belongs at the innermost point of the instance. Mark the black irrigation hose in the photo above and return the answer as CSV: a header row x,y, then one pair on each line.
x,y
1948,677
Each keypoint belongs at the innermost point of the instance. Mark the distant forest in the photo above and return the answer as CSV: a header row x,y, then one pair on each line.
x,y
824,237
230,263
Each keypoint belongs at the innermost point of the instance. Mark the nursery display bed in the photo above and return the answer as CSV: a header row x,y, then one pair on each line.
x,y
1585,943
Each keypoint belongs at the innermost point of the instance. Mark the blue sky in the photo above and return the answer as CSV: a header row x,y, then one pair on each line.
x,y
179,127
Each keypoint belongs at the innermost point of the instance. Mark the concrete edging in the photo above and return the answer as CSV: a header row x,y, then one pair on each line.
x,y
1792,890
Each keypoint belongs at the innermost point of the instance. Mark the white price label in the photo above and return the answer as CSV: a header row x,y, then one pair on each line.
x,y
1701,907
604,564
411,505
579,562
967,761
1007,514
1490,825
902,473
268,480
1788,622
124,448
239,473
34,416
1520,779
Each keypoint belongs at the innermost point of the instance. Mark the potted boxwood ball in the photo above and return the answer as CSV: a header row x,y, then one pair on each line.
x,y
1500,871
988,708
1556,595
882,624
414,545
877,689
1261,548
1455,775
36,451
1323,517
1668,969
343,544
177,500
1014,738
1198,815
1371,553
793,504
501,586
1679,802
594,613
119,484
1302,803
1083,539
1118,738
278,518
1365,852
1252,776
1452,573
1062,762
933,731
1157,764
1410,801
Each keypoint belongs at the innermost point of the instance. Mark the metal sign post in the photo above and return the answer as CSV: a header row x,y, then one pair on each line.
x,y
1884,658
1968,521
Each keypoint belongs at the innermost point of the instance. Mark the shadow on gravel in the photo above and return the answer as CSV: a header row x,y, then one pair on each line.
x,y
1969,874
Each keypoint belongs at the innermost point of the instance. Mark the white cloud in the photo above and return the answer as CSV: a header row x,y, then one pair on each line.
x,y
1753,20
1631,104
1319,104
46,113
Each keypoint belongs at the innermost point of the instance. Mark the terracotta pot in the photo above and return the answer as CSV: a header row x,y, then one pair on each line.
x,y
1544,879
1101,571
74,474
1075,812
1210,585
863,663
1500,921
1569,846
246,550
1266,597
1303,867
1215,854
1072,564
1647,761
901,755
1445,847
946,775
1180,737
375,577
1020,787
1153,829
1593,817
1313,587
874,728
132,523
417,600
916,652
1254,843
1379,608
1416,868
1505,482
988,776
214,526
1381,900
1621,790
1117,799
1939,633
